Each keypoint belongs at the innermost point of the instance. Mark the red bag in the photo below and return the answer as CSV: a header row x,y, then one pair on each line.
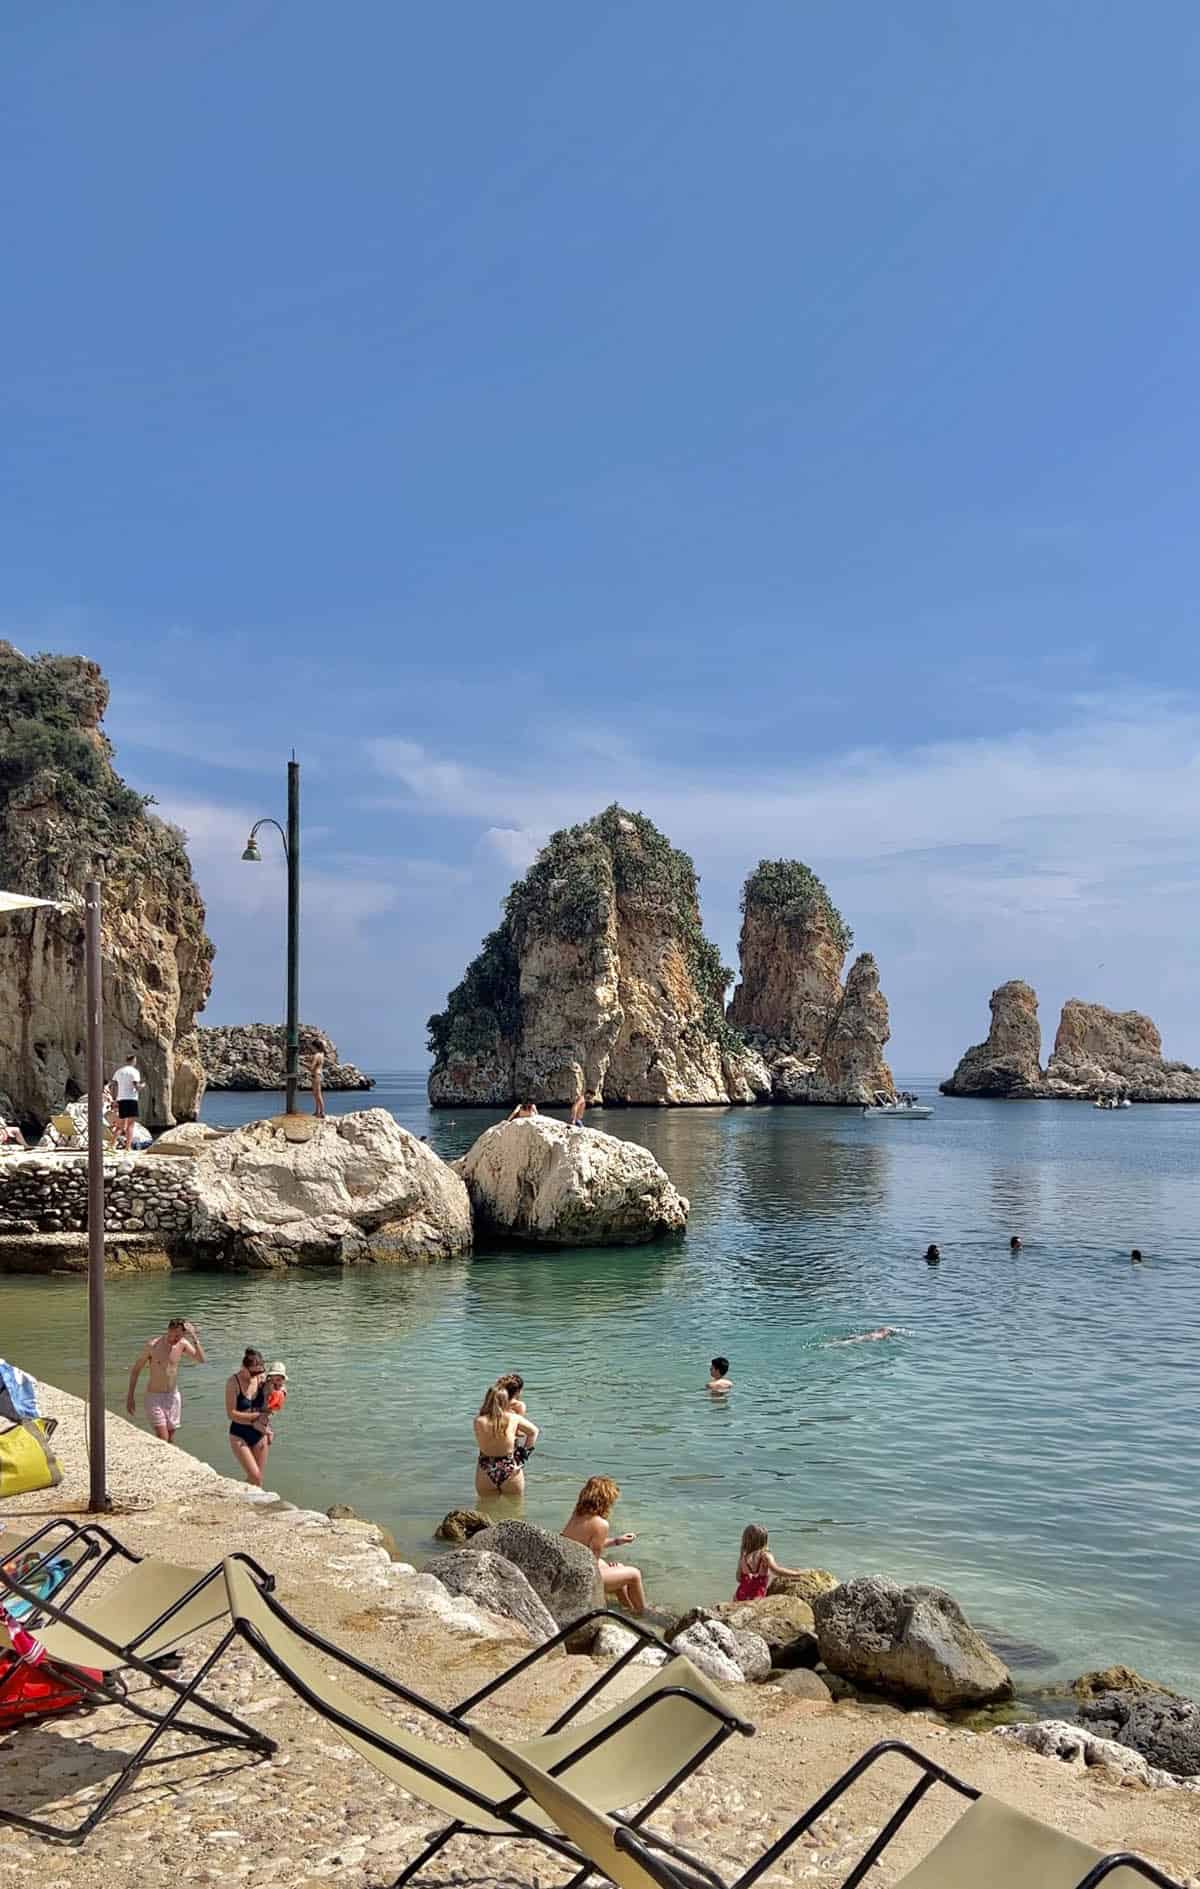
x,y
39,1691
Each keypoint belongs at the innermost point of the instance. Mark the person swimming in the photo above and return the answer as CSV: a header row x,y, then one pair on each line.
x,y
719,1380
1014,1245
869,1337
932,1256
1135,1258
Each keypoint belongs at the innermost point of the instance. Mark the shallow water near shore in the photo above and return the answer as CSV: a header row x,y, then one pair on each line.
x,y
1028,1440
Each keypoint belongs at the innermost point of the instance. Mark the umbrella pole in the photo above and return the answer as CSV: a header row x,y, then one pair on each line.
x,y
98,1483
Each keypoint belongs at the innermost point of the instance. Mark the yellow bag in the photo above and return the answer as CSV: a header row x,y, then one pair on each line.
x,y
26,1460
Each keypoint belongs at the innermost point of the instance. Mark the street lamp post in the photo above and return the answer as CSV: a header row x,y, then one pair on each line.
x,y
291,852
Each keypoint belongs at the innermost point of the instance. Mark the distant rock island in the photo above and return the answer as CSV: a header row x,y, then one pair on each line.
x,y
599,976
253,1056
1096,1052
66,816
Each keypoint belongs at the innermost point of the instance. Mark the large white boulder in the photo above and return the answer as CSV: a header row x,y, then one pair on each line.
x,y
296,1191
538,1180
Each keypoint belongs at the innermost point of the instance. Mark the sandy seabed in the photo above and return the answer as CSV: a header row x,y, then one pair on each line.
x,y
316,1813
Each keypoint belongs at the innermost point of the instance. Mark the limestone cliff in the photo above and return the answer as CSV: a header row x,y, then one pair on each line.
x,y
65,815
1096,1052
1009,1062
599,974
820,1042
252,1056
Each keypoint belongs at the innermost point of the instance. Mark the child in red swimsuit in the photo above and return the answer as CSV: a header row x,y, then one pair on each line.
x,y
756,1565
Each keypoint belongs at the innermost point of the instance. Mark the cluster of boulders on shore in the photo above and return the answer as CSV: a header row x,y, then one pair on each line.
x,y
298,1191
823,1640
1097,1052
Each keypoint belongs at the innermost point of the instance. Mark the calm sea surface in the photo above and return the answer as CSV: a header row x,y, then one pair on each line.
x,y
1029,1440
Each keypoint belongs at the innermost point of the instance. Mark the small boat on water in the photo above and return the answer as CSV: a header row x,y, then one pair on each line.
x,y
903,1108
1112,1101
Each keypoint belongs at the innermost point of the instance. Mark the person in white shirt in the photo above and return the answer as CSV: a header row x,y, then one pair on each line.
x,y
125,1089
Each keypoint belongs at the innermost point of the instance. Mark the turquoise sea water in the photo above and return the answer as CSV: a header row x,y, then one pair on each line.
x,y
1028,1441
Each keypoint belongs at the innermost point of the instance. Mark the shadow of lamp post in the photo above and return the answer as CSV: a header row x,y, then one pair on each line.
x,y
291,852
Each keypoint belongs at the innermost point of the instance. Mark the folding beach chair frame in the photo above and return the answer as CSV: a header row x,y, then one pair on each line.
x,y
656,1855
97,1548
522,1828
110,1687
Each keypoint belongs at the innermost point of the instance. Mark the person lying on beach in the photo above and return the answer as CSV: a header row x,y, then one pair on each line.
x,y
589,1525
163,1355
756,1565
499,1431
719,1380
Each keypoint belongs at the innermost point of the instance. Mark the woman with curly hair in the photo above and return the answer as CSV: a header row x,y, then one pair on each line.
x,y
589,1525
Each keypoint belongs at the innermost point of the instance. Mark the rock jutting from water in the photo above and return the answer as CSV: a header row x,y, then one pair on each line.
x,y
539,1181
301,1192
1096,1052
599,978
820,1041
914,1643
67,816
248,1056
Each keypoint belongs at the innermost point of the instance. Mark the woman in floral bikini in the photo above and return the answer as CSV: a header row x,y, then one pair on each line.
x,y
504,1437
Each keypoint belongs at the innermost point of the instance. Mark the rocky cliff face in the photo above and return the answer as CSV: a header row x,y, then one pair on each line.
x,y
600,976
253,1056
1096,1052
819,1042
1009,1062
65,815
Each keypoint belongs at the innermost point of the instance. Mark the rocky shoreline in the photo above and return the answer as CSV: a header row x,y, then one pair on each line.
x,y
312,1815
1097,1053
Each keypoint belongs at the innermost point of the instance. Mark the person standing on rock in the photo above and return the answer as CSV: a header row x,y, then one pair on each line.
x,y
125,1089
577,1108
316,1070
589,1525
163,1355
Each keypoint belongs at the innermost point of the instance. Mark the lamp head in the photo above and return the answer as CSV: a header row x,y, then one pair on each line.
x,y
252,853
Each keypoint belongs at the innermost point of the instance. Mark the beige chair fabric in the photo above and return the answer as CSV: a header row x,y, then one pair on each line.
x,y
990,1846
122,1615
993,1845
632,1765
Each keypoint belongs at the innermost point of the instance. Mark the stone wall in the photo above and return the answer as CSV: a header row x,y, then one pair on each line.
x,y
142,1194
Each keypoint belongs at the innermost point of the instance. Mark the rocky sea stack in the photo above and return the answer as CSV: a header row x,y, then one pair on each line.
x,y
66,816
599,976
819,1040
1097,1052
252,1056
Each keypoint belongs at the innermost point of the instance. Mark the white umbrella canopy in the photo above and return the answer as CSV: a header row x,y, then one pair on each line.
x,y
17,902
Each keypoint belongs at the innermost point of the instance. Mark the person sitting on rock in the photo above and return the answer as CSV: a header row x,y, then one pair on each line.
x,y
756,1565
589,1525
523,1111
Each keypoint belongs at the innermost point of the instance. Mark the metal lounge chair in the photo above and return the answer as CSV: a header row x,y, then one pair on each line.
x,y
58,1556
991,1846
151,1610
642,1749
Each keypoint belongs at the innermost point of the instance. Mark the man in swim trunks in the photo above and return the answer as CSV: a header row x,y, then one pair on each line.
x,y
164,1401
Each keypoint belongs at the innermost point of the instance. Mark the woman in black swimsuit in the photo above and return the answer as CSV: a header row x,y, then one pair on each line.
x,y
245,1406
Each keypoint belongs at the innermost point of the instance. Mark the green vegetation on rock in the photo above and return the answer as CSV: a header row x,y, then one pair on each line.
x,y
792,893
567,893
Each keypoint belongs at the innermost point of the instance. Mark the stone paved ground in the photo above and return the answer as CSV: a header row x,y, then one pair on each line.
x,y
318,1814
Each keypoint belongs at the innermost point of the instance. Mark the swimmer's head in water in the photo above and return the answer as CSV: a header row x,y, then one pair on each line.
x,y
1136,1256
1015,1243
932,1254
719,1367
597,1496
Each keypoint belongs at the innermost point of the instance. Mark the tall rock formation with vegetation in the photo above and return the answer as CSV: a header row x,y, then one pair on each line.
x,y
821,1041
1008,1063
599,976
66,816
1097,1052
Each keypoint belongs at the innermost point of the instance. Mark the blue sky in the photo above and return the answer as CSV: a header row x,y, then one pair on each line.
x,y
779,419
